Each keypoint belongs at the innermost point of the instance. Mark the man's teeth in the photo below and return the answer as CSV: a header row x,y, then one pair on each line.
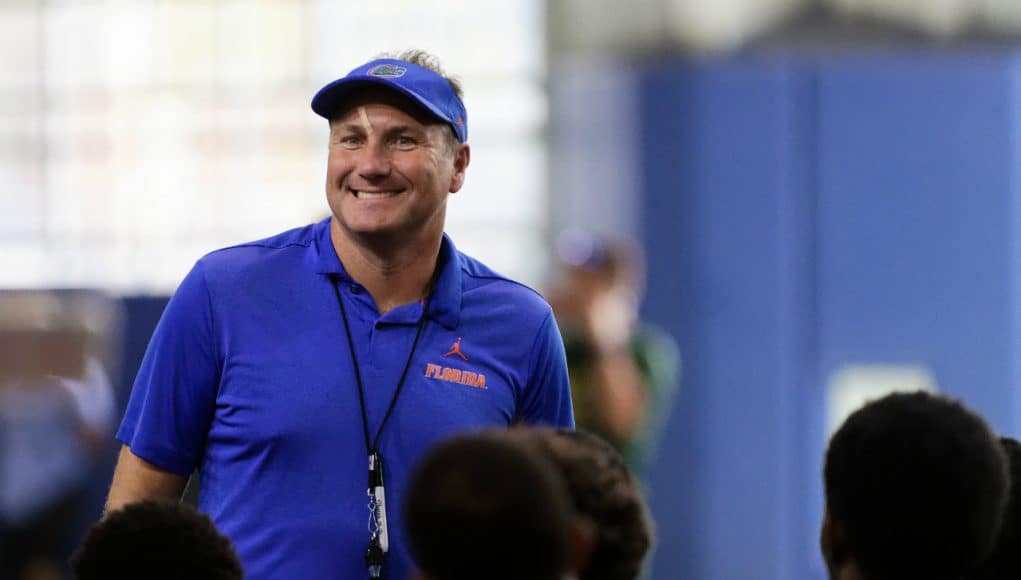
x,y
380,195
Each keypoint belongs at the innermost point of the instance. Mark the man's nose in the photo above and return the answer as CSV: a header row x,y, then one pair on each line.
x,y
374,161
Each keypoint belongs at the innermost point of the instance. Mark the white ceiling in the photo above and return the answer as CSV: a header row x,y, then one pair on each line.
x,y
715,25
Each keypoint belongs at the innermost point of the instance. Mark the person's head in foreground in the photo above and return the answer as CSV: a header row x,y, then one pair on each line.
x,y
481,506
156,540
604,492
1005,560
915,488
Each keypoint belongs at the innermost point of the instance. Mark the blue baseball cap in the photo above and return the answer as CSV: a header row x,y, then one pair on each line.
x,y
419,84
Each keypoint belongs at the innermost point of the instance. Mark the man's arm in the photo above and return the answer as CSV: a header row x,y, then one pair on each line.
x,y
172,401
620,394
547,397
135,479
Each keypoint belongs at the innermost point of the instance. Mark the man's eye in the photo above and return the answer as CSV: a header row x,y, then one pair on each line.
x,y
348,140
405,141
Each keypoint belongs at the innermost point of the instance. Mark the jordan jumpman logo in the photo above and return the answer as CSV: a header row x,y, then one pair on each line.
x,y
456,349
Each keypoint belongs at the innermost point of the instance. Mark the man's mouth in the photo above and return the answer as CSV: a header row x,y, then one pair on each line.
x,y
376,194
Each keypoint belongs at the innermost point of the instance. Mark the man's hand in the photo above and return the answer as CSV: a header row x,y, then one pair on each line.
x,y
610,317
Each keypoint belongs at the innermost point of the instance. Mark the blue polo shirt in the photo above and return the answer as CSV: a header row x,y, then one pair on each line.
x,y
249,378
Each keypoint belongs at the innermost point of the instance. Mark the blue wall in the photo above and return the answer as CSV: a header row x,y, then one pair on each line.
x,y
801,214
917,202
727,236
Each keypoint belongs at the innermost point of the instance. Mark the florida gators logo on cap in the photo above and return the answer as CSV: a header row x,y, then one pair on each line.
x,y
389,71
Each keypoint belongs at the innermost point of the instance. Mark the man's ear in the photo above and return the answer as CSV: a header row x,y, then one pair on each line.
x,y
583,543
833,543
462,157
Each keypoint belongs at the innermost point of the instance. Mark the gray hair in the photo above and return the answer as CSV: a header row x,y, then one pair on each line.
x,y
423,59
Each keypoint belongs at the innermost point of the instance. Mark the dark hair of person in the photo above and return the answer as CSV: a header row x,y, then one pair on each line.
x,y
1005,560
918,484
482,507
156,540
604,490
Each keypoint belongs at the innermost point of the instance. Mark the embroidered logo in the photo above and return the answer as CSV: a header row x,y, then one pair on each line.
x,y
456,349
452,375
388,71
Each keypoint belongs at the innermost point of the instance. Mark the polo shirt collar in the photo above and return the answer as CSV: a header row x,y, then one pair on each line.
x,y
445,302
327,261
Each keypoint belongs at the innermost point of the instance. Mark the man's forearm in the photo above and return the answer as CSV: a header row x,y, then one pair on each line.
x,y
621,395
135,479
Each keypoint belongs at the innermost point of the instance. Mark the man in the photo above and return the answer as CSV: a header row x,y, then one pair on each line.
x,y
624,372
1005,560
283,368
481,506
157,540
605,492
915,487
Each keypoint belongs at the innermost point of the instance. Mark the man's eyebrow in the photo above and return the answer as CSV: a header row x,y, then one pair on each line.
x,y
349,127
399,129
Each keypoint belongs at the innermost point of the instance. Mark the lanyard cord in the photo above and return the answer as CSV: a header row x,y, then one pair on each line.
x,y
358,375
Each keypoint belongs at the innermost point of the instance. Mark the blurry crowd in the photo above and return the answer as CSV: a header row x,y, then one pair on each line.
x,y
57,412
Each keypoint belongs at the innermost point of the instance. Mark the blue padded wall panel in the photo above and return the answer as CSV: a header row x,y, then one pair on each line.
x,y
917,221
1014,128
727,221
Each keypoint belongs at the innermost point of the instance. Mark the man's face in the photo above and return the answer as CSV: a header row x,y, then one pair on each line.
x,y
391,168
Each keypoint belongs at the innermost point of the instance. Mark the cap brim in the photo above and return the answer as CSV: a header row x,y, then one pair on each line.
x,y
330,99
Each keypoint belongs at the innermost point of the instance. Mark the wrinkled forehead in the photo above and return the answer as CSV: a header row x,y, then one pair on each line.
x,y
376,95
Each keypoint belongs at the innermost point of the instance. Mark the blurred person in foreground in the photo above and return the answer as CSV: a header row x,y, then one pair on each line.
x,y
56,416
915,488
304,374
604,492
483,506
156,540
1005,560
624,372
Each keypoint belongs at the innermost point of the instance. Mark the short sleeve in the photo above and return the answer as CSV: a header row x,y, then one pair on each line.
x,y
174,395
547,397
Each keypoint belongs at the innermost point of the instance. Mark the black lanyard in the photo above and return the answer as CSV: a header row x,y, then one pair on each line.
x,y
370,448
379,538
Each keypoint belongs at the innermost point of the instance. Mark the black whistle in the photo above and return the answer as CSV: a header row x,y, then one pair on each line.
x,y
374,558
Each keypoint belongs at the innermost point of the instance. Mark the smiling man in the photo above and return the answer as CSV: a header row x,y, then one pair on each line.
x,y
305,374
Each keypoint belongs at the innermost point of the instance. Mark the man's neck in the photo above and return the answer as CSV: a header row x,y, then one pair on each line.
x,y
393,274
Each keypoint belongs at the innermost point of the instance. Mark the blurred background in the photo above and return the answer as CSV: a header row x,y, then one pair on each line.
x,y
827,195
